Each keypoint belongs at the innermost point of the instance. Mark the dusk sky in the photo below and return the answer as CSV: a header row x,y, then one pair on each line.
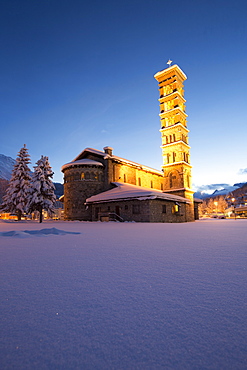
x,y
77,74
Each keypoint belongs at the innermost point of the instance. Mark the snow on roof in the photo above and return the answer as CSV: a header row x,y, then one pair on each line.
x,y
80,162
120,159
127,191
91,150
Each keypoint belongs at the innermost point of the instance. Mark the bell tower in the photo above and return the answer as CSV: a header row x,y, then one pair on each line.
x,y
174,132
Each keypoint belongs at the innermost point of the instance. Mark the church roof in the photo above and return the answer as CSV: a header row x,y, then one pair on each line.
x,y
118,159
123,191
81,162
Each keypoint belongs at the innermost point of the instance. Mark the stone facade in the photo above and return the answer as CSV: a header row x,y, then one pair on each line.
x,y
155,210
93,171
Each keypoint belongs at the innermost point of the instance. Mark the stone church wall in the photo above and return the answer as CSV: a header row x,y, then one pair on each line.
x,y
81,183
157,210
132,175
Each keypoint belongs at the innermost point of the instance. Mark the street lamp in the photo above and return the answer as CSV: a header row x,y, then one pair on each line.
x,y
233,200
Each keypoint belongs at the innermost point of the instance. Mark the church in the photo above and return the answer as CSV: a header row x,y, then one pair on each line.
x,y
100,186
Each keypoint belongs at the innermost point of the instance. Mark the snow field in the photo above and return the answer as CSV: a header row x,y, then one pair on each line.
x,y
124,296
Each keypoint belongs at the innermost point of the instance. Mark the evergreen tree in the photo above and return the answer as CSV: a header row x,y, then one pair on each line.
x,y
202,208
211,208
42,192
16,198
222,204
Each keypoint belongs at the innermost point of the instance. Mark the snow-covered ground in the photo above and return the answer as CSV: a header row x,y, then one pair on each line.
x,y
123,295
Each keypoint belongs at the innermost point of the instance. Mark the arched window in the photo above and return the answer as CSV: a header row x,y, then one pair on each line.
x,y
175,208
87,176
82,176
171,178
188,181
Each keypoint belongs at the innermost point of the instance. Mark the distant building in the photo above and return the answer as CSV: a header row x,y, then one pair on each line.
x,y
101,186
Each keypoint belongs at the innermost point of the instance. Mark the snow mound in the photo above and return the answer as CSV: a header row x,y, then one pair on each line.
x,y
18,234
42,232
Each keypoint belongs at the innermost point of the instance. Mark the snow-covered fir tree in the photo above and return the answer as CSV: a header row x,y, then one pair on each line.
x,y
17,194
42,190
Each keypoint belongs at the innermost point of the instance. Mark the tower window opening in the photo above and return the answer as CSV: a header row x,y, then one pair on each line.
x,y
171,178
188,181
124,178
151,184
174,156
139,181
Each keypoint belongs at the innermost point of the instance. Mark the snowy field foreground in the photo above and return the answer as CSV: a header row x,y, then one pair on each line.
x,y
123,295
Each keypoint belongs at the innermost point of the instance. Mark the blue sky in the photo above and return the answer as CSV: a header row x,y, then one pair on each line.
x,y
78,74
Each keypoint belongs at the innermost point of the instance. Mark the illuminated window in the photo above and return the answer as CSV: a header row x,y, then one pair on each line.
x,y
82,176
175,208
188,181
